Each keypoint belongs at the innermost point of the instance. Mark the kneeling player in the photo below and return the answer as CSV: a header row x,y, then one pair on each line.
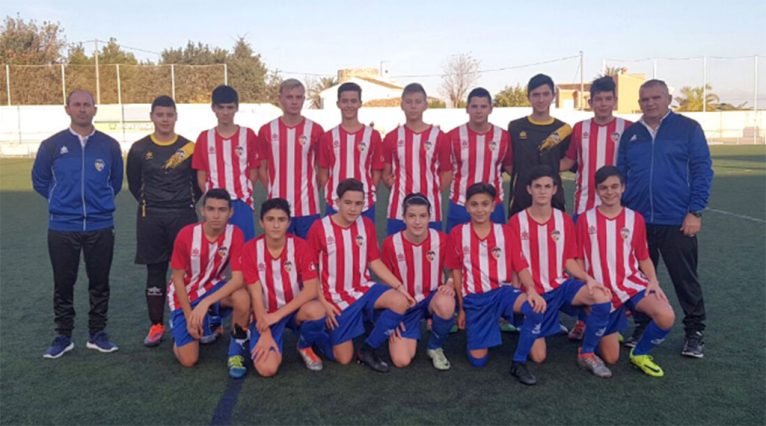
x,y
546,237
612,241
481,258
416,256
281,274
201,254
346,244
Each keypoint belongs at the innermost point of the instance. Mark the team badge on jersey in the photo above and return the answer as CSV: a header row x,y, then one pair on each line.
x,y
239,151
625,233
336,143
303,140
100,164
431,255
496,252
148,156
289,266
223,251
359,240
522,135
493,145
428,145
616,137
63,150
361,147
556,235
312,266
592,230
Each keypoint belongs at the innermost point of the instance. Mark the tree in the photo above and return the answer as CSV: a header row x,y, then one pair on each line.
x,y
315,88
249,75
512,96
614,71
691,99
460,73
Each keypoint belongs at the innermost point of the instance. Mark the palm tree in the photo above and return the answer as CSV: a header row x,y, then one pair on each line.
x,y
691,99
316,86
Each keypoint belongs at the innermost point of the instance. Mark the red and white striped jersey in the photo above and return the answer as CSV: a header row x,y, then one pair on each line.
x,y
416,160
592,147
486,263
291,154
350,155
281,277
343,255
204,262
228,162
545,246
612,248
420,267
478,157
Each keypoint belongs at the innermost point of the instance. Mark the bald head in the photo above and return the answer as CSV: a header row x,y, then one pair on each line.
x,y
654,99
81,110
80,92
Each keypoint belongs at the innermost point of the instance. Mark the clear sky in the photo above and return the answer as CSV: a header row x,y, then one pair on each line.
x,y
417,37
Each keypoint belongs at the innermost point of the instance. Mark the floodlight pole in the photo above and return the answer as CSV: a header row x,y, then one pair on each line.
x,y
654,68
8,82
98,82
173,81
755,100
704,84
225,74
119,85
63,84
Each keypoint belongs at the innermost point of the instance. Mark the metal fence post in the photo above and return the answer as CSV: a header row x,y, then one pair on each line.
x,y
173,81
63,84
8,82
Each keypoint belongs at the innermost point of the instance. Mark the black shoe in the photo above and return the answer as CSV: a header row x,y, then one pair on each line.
x,y
638,331
519,371
693,345
367,355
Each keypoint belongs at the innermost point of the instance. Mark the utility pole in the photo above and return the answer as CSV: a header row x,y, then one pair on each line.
x,y
98,82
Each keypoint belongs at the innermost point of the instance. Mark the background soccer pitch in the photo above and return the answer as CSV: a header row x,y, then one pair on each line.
x,y
146,386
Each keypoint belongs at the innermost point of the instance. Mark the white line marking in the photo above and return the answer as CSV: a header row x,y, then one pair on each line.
x,y
754,219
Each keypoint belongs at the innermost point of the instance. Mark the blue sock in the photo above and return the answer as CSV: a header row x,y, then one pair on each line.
x,y
653,336
595,326
477,362
581,315
384,326
237,342
310,332
530,331
440,328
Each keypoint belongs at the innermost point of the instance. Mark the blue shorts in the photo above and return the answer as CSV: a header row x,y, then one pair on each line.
x,y
618,322
396,225
178,328
300,226
414,315
559,299
458,215
277,330
243,218
482,311
351,320
369,213
574,217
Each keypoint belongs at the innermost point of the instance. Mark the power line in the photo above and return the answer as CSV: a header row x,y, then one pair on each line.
x,y
512,67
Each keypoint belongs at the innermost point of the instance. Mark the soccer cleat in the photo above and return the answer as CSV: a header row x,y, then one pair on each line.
x,y
311,359
367,356
211,336
646,364
519,370
577,332
507,327
100,341
694,345
156,335
237,369
594,364
438,358
563,329
632,341
61,345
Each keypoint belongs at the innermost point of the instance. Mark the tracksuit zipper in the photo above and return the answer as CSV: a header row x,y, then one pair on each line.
x,y
82,190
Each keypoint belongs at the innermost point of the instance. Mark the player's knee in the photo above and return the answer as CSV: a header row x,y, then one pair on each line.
x,y
444,307
538,355
610,357
313,310
187,360
665,319
399,303
343,358
601,297
267,369
240,300
401,360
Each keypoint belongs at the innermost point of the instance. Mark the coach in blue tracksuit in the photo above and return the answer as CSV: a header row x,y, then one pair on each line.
x,y
668,171
79,171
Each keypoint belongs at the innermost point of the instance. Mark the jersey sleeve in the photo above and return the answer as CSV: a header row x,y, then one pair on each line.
x,y
316,138
376,151
249,267
389,147
373,253
454,145
453,258
444,152
314,238
305,260
574,142
262,143
581,230
566,129
235,252
388,256
253,154
518,262
325,157
640,246
180,258
570,242
199,159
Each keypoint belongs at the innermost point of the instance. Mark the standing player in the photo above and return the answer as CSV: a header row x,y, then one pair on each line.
x,y
201,254
612,243
161,179
288,150
346,245
546,237
417,160
226,157
281,274
350,150
480,153
416,256
537,139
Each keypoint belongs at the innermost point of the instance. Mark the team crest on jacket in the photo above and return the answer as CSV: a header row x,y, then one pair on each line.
x,y
223,251
303,140
359,240
616,137
100,164
522,135
625,233
431,255
556,235
149,155
289,266
239,151
497,252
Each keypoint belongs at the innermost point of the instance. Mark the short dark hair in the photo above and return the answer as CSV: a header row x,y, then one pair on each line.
x,y
540,80
350,86
416,199
349,184
275,203
163,101
224,94
480,188
603,84
541,171
606,172
414,88
217,194
479,92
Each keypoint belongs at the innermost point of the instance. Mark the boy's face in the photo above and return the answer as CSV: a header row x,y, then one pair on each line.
x,y
224,113
416,219
479,108
541,98
349,104
291,100
350,205
413,105
610,191
275,223
542,190
164,119
480,207
216,213
602,104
